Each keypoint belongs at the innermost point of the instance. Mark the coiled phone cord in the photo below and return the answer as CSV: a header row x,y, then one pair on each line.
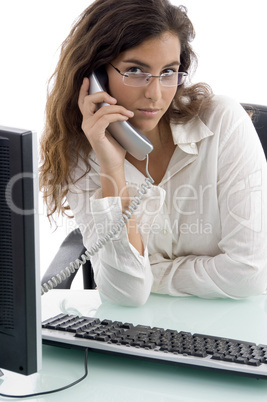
x,y
75,265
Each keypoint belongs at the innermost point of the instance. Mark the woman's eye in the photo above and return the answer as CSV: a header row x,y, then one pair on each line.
x,y
135,70
169,71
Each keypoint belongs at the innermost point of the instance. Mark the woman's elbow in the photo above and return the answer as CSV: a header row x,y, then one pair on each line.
x,y
132,295
253,283
123,299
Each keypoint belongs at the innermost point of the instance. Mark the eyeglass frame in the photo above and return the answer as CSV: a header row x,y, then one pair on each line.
x,y
149,76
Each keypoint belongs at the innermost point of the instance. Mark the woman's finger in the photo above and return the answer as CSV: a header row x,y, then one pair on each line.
x,y
84,91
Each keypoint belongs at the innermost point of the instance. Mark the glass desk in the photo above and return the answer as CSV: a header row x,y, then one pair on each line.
x,y
119,379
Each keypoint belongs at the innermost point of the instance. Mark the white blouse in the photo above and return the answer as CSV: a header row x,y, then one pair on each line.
x,y
204,227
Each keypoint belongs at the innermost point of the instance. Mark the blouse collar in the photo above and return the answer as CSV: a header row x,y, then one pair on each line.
x,y
188,135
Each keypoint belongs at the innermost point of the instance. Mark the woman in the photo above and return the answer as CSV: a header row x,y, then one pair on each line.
x,y
201,228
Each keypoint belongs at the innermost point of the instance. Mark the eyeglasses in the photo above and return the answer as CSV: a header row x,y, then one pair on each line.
x,y
139,79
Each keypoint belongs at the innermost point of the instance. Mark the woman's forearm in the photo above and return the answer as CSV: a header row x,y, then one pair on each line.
x,y
114,185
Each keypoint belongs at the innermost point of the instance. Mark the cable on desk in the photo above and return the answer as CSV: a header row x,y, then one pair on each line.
x,y
57,389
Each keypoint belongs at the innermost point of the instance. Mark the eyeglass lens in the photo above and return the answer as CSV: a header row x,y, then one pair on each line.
x,y
133,79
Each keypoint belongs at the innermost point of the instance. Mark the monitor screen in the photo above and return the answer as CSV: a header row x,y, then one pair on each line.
x,y
20,295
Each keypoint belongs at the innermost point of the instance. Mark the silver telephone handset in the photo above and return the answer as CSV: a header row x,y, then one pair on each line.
x,y
127,136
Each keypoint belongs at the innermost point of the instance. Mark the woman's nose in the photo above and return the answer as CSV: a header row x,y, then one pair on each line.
x,y
153,89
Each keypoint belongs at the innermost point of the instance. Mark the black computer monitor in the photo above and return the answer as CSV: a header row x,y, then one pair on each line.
x,y
20,295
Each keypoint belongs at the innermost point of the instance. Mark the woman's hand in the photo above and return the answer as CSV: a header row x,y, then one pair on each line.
x,y
95,123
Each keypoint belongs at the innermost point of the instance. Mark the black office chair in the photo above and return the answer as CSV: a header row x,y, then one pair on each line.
x,y
72,247
259,118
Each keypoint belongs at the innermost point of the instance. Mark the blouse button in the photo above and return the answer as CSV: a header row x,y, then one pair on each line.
x,y
193,145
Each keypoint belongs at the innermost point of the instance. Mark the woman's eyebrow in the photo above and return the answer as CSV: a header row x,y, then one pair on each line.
x,y
145,65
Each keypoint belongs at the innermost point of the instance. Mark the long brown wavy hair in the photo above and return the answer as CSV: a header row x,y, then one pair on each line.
x,y
104,30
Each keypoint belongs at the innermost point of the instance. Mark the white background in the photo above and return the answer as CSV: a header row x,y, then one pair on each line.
x,y
231,38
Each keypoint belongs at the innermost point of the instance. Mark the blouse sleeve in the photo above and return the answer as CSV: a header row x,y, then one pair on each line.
x,y
122,275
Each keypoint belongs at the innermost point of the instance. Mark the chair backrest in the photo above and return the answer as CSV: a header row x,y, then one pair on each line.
x,y
259,118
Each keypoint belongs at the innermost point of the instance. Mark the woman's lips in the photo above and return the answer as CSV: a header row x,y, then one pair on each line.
x,y
149,112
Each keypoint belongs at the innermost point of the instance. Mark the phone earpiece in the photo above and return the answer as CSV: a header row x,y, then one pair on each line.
x,y
134,142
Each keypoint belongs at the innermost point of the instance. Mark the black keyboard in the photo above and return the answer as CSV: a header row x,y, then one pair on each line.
x,y
170,346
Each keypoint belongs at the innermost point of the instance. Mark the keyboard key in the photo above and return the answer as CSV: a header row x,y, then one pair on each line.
x,y
241,360
116,340
166,348
91,336
127,325
102,338
217,356
106,322
253,362
150,345
200,353
228,358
